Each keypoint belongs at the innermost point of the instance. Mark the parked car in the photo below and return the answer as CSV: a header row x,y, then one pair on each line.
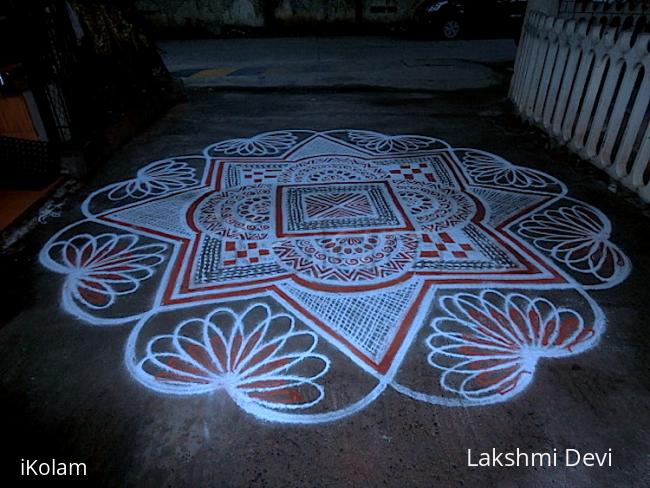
x,y
451,19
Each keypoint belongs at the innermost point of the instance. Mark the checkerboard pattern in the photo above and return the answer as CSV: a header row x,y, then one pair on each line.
x,y
413,172
259,175
245,253
444,246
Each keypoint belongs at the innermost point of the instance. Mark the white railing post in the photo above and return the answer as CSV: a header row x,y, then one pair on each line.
x,y
588,86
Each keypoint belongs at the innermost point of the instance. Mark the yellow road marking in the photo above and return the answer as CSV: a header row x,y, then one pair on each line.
x,y
213,73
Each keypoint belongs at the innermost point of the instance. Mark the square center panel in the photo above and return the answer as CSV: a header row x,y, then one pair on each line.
x,y
338,208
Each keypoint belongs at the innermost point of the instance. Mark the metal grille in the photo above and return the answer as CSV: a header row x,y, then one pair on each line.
x,y
607,8
27,164
624,14
50,60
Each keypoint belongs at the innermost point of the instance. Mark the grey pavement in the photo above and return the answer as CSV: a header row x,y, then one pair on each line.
x,y
66,394
340,62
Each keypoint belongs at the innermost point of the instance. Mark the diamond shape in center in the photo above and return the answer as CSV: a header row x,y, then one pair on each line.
x,y
338,208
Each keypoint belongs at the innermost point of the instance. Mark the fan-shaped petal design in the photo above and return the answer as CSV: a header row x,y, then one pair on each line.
x,y
156,178
258,358
266,144
578,237
488,169
384,144
488,345
100,268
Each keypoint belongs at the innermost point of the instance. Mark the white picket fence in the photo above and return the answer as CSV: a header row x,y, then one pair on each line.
x,y
588,86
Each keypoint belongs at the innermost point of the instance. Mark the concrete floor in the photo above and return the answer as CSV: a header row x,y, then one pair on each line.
x,y
65,392
377,62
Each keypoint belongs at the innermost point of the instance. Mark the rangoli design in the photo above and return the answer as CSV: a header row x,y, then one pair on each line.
x,y
302,273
